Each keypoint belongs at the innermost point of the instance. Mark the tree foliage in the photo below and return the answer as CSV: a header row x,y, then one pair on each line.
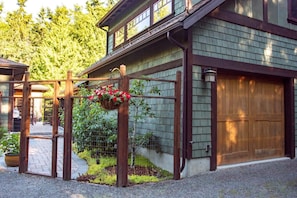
x,y
56,40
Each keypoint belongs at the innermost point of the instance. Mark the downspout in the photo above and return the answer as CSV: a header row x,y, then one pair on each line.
x,y
185,127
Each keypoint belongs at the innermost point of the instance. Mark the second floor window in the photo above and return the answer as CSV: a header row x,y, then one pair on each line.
x,y
119,36
161,8
138,24
155,12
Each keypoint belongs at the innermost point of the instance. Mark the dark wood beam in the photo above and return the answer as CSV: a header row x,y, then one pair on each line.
x,y
241,66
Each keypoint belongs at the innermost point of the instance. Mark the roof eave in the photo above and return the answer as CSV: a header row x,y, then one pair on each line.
x,y
202,11
102,22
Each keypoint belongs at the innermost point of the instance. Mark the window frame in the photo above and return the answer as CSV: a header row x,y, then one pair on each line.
x,y
164,5
138,19
151,23
291,18
115,44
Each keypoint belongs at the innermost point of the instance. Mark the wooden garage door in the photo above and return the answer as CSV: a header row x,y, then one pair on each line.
x,y
250,119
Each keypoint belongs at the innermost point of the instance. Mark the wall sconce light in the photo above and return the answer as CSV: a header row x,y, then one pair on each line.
x,y
209,75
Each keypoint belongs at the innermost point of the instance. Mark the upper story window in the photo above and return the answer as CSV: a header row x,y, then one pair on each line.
x,y
119,36
293,11
139,23
156,11
162,8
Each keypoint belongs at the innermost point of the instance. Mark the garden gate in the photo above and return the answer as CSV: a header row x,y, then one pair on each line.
x,y
65,98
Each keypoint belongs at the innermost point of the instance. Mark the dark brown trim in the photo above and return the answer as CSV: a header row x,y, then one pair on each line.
x,y
291,19
188,85
214,142
238,19
289,118
159,68
265,11
243,67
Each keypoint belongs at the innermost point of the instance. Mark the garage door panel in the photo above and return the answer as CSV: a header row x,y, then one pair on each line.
x,y
233,142
267,139
227,90
250,119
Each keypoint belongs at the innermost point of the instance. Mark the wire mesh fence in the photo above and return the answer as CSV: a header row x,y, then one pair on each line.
x,y
95,130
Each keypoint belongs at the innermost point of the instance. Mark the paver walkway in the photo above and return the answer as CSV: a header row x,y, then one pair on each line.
x,y
40,154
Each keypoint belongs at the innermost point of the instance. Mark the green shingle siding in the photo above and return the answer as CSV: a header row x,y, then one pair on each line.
x,y
201,114
162,125
220,39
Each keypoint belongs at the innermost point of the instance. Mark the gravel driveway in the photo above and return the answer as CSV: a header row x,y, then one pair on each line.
x,y
272,179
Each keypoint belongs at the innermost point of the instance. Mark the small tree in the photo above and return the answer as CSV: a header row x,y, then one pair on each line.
x,y
140,110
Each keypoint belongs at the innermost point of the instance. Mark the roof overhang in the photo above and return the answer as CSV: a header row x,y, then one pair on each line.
x,y
204,8
34,87
119,8
8,67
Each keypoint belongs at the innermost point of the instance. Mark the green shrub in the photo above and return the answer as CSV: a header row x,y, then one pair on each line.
x,y
3,130
94,129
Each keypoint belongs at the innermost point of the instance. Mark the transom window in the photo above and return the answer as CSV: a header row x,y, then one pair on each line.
x,y
138,24
162,8
293,11
152,14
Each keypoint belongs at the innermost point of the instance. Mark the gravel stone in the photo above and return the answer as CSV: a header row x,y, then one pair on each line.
x,y
270,179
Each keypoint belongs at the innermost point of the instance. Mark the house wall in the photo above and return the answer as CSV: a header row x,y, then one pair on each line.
x,y
4,88
250,8
201,129
219,39
277,11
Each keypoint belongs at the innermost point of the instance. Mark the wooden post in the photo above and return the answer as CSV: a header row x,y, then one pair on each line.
x,y
55,120
68,127
122,141
176,147
25,125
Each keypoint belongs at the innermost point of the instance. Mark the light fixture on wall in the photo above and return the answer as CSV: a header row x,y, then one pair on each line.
x,y
209,75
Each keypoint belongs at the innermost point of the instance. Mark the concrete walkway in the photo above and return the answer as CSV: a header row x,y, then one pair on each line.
x,y
40,154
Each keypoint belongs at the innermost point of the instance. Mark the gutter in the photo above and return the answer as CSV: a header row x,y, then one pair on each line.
x,y
185,90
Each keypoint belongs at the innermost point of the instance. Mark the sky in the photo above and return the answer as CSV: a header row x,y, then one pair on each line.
x,y
33,6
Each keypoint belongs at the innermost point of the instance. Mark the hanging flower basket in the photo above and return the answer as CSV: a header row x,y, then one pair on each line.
x,y
109,97
109,105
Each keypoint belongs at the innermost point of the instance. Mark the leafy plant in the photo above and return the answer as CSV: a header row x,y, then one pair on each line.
x,y
10,143
3,130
